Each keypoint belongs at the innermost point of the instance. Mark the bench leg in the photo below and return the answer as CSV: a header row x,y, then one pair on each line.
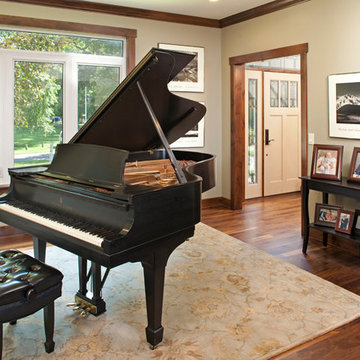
x,y
49,327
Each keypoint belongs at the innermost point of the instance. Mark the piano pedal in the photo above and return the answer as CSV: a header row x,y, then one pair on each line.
x,y
83,306
85,312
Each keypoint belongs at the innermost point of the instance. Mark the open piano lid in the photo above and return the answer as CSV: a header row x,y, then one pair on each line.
x,y
123,121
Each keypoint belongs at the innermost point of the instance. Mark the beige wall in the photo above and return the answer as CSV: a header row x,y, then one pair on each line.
x,y
150,33
331,28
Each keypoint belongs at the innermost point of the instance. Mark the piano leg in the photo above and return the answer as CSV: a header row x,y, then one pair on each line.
x,y
154,264
39,248
154,274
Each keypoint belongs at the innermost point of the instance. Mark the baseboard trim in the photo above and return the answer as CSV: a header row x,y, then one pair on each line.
x,y
218,201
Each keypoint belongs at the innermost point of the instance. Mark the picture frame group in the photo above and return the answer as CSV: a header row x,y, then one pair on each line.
x,y
327,163
336,217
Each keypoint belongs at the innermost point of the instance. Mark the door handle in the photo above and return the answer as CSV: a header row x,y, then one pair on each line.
x,y
267,136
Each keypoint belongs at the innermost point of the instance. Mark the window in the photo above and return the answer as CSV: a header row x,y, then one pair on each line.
x,y
253,131
50,86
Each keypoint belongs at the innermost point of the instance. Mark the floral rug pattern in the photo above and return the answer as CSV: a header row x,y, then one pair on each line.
x,y
223,300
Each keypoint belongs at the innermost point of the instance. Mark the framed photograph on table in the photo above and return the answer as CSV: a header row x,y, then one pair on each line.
x,y
326,215
357,222
344,221
354,174
344,105
326,162
191,78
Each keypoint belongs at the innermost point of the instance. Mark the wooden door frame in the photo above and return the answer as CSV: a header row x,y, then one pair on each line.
x,y
237,84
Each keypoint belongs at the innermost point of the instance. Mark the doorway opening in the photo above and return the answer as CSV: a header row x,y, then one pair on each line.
x,y
240,112
272,127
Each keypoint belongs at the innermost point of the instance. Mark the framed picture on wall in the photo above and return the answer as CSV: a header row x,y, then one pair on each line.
x,y
344,105
191,78
326,162
193,138
354,174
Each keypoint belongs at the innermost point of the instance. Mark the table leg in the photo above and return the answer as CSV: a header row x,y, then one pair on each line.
x,y
305,212
325,196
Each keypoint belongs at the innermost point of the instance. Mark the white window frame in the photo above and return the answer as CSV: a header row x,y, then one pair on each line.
x,y
70,62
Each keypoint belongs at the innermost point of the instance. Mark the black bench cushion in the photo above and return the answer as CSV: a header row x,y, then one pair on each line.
x,y
22,277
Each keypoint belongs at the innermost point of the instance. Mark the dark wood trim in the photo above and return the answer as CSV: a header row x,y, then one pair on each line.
x,y
66,26
304,109
123,11
237,83
237,135
270,54
165,16
32,23
259,11
215,202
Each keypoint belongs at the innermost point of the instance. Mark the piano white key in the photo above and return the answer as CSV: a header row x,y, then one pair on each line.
x,y
65,229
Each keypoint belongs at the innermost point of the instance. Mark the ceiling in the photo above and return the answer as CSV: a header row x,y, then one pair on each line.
x,y
201,8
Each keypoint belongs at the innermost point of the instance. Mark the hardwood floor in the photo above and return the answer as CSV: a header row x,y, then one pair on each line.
x,y
273,225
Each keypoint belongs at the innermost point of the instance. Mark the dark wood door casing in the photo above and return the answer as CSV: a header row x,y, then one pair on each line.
x,y
237,83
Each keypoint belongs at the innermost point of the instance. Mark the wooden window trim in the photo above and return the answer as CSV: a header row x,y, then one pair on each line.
x,y
32,23
237,84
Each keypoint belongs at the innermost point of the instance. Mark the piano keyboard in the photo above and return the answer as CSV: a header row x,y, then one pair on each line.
x,y
72,227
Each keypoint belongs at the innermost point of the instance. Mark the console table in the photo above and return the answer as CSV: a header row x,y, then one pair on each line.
x,y
344,188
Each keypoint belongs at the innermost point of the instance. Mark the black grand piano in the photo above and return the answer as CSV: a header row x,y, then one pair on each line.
x,y
116,192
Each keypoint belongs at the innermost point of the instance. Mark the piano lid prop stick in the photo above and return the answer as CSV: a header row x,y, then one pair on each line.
x,y
179,173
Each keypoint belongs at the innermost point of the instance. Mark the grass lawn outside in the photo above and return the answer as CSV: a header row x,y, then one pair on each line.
x,y
28,142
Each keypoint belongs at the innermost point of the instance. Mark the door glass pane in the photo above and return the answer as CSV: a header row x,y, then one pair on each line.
x,y
95,84
37,111
252,136
274,93
293,94
284,93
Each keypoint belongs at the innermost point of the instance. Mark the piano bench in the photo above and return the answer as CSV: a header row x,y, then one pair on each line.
x,y
26,286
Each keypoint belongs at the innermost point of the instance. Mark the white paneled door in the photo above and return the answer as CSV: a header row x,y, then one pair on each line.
x,y
282,133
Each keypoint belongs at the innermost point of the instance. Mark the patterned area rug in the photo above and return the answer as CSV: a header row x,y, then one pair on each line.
x,y
223,300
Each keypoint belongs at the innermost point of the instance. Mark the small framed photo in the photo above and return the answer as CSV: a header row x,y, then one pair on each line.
x,y
344,221
355,166
357,222
191,78
344,105
326,215
326,162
